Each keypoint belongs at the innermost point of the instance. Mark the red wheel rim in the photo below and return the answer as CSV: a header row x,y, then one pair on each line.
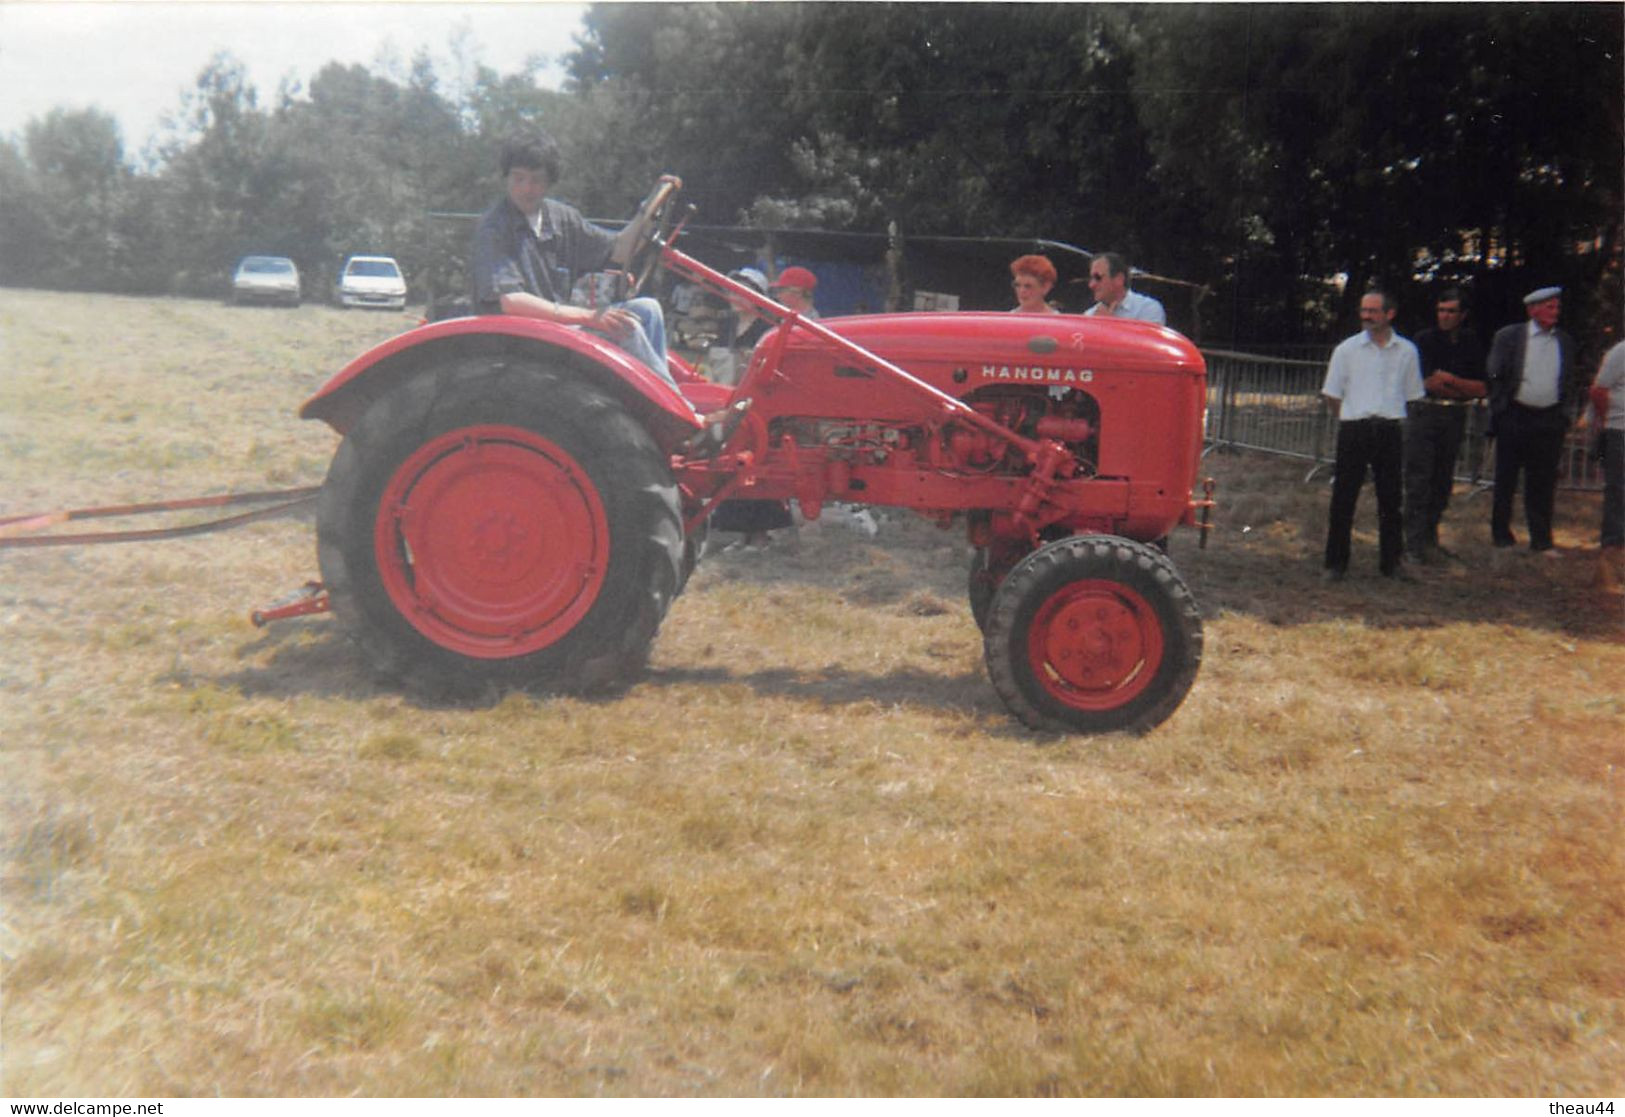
x,y
1095,644
491,541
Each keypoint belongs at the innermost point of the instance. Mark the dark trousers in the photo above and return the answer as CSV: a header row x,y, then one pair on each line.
x,y
1528,440
751,516
1362,444
1613,488
1433,433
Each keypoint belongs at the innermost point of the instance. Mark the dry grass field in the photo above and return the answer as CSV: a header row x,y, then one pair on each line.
x,y
1378,851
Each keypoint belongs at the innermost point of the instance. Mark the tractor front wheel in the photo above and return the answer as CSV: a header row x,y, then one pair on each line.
x,y
1093,634
497,524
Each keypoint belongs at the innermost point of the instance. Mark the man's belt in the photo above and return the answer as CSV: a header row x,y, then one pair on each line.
x,y
1436,402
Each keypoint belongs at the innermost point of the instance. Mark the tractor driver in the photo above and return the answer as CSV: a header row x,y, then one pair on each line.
x,y
528,249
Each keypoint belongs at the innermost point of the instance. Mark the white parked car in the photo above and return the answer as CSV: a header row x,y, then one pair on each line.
x,y
371,281
270,279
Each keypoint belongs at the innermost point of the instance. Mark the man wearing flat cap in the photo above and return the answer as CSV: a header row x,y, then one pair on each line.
x,y
1534,388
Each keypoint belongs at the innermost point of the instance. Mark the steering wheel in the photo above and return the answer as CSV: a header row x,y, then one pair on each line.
x,y
656,215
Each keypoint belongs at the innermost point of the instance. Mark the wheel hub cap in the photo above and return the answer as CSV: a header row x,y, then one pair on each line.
x,y
1095,644
492,541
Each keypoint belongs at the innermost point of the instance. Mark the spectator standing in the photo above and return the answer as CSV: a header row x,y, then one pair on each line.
x,y
794,288
1453,374
743,328
1108,282
1032,278
752,520
1608,413
1533,390
529,250
1369,380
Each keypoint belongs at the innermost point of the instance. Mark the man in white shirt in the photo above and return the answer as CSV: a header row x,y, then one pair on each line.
x,y
1608,411
1369,380
1108,282
1534,392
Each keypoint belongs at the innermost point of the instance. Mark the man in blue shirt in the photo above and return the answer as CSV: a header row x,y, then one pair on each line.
x,y
530,249
1108,282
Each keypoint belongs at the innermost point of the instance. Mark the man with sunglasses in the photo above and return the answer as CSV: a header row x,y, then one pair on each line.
x,y
1108,282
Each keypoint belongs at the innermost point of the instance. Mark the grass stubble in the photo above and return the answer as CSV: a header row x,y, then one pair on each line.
x,y
1376,852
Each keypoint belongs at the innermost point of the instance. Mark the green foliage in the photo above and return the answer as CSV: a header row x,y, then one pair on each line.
x,y
967,118
697,89
219,178
1258,149
24,251
1477,143
67,184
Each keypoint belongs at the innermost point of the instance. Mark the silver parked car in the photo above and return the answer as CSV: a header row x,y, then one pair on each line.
x,y
269,279
371,281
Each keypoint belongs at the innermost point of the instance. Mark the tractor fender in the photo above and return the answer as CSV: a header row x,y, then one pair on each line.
x,y
341,402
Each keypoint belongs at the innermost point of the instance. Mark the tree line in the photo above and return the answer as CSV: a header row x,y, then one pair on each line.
x,y
1285,156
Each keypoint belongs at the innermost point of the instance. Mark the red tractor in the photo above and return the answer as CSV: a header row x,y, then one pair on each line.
x,y
517,503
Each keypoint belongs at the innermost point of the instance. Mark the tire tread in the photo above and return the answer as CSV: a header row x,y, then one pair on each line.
x,y
1094,556
606,650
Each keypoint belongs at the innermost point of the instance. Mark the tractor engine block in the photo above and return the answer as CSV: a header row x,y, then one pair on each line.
x,y
863,443
1065,415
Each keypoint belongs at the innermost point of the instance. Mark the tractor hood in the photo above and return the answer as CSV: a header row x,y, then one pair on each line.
x,y
991,347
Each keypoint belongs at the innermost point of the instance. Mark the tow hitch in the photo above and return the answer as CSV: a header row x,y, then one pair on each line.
x,y
307,600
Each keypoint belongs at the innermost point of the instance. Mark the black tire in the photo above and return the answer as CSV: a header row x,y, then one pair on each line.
x,y
693,551
491,524
988,568
1093,634
980,586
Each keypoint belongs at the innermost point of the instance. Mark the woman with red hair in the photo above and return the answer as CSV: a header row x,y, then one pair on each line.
x,y
1032,276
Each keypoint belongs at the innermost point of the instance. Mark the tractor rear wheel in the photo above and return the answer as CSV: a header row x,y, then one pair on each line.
x,y
693,551
496,524
1093,634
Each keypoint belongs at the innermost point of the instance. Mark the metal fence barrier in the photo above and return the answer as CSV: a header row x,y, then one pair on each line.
x,y
1274,405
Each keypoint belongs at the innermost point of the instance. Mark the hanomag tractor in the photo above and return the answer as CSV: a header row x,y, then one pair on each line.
x,y
517,503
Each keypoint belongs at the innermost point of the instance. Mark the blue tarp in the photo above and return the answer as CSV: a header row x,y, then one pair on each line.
x,y
843,288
